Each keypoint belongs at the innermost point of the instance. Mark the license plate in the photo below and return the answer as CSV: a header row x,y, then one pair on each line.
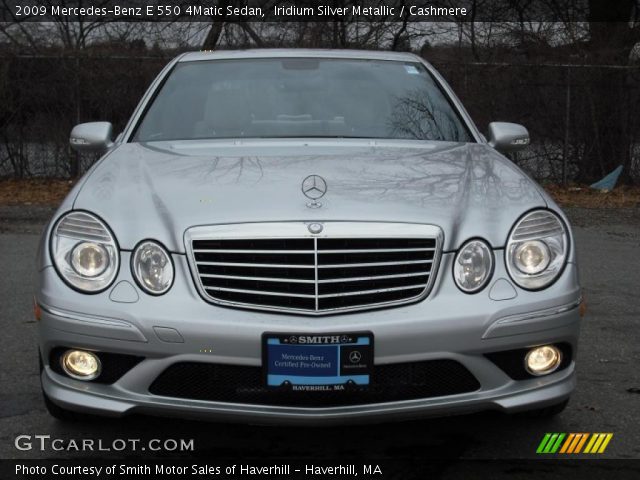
x,y
310,362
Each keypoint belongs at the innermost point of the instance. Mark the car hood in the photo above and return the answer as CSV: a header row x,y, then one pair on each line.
x,y
160,189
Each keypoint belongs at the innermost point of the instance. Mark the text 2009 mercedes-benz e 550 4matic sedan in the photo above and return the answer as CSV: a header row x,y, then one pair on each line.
x,y
305,236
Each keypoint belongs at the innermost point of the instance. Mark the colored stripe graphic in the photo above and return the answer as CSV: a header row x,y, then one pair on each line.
x,y
550,443
592,440
598,442
581,443
573,443
543,442
556,446
607,439
567,442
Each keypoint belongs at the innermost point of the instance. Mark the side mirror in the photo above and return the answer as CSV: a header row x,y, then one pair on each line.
x,y
508,137
91,137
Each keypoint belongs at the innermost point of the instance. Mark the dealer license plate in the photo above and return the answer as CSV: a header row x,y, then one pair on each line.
x,y
317,362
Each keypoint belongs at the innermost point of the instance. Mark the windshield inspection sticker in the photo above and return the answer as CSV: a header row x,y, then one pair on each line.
x,y
412,70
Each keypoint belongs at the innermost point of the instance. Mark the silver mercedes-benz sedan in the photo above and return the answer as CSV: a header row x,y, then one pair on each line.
x,y
305,236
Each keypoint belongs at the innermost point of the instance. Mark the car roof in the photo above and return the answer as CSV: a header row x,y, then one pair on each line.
x,y
297,53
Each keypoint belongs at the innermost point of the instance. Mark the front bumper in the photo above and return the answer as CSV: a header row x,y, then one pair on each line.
x,y
181,327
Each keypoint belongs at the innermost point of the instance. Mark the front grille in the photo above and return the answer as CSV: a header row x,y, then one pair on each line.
x,y
240,384
314,274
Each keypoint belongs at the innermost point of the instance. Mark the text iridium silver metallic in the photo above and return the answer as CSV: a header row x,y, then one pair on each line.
x,y
425,272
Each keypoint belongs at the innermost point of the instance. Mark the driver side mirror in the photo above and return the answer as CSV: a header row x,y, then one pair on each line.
x,y
91,137
508,137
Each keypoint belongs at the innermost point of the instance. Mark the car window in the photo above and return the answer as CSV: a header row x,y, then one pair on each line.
x,y
301,97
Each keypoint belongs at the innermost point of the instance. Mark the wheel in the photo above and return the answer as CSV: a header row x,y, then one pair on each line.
x,y
547,412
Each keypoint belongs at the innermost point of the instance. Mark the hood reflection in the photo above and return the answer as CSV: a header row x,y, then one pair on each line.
x,y
164,188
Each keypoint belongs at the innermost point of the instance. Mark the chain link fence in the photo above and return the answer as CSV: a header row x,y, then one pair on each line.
x,y
583,120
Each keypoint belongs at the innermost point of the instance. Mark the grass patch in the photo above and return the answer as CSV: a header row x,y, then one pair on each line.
x,y
585,197
34,191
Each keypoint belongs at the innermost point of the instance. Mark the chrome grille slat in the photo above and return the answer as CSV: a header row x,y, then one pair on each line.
x,y
381,250
261,279
374,277
200,250
261,292
373,264
350,266
375,290
254,265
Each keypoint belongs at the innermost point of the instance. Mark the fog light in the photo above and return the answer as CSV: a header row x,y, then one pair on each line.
x,y
80,364
543,360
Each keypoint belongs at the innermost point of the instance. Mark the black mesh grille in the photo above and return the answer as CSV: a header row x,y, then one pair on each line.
x,y
239,384
511,362
114,365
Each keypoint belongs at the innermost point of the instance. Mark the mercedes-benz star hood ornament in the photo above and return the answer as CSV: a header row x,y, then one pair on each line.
x,y
314,187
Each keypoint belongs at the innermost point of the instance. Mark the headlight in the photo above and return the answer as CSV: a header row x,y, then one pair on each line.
x,y
84,252
152,267
537,249
89,259
473,266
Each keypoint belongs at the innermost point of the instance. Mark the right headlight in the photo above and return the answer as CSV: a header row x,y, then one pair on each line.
x,y
84,252
152,267
537,249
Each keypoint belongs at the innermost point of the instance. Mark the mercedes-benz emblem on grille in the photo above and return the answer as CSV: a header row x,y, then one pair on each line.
x,y
314,187
315,228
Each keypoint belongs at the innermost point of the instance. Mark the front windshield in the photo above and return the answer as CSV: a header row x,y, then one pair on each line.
x,y
300,97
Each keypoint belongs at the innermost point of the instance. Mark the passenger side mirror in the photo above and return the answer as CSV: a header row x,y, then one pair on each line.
x,y
508,137
91,137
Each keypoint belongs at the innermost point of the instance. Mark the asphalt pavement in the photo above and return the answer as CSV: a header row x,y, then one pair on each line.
x,y
607,398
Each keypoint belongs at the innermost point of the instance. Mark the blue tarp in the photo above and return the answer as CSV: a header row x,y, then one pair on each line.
x,y
608,182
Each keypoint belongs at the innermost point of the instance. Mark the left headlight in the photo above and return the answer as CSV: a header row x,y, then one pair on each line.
x,y
84,252
473,266
152,267
537,249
